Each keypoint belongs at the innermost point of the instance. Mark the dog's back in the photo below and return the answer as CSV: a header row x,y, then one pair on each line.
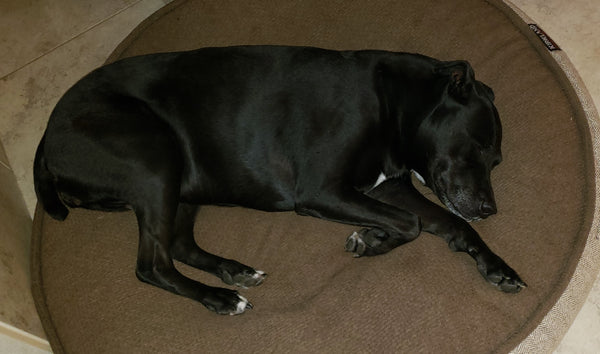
x,y
266,107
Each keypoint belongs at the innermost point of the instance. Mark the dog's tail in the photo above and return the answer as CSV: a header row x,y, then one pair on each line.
x,y
45,187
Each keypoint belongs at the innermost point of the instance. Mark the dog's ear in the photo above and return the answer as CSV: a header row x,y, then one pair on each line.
x,y
460,78
489,92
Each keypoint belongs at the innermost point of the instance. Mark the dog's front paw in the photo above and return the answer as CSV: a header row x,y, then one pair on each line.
x,y
226,302
235,273
498,273
370,242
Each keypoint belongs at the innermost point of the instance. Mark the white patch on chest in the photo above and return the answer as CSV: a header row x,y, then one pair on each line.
x,y
383,177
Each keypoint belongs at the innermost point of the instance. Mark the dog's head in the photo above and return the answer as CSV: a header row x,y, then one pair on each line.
x,y
458,144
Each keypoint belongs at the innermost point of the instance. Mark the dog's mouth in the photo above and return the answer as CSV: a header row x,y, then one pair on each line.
x,y
450,205
440,189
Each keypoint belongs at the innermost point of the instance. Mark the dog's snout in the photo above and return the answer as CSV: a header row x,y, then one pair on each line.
x,y
487,208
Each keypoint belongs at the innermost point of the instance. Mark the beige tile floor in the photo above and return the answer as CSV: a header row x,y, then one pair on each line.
x,y
49,44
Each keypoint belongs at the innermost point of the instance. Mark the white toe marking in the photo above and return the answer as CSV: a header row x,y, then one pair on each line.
x,y
241,306
419,177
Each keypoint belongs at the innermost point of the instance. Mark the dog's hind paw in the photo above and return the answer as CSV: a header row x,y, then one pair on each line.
x,y
226,302
235,273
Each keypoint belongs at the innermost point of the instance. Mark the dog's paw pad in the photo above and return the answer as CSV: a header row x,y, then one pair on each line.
x,y
370,242
240,275
255,279
509,284
499,274
354,243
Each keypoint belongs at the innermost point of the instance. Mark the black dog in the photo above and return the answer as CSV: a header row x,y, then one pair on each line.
x,y
276,128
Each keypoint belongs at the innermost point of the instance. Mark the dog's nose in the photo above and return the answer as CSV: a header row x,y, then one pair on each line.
x,y
487,208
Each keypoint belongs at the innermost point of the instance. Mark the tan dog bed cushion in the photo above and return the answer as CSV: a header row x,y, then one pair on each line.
x,y
420,297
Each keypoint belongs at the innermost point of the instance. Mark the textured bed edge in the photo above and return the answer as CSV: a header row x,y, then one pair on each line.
x,y
37,287
555,324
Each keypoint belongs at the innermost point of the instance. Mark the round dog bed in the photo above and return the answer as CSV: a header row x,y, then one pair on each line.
x,y
418,298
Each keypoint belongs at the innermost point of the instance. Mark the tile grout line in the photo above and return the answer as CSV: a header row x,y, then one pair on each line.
x,y
6,165
72,38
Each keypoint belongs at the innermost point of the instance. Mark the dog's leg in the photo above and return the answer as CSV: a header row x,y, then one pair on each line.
x,y
459,235
154,177
185,249
394,226
155,266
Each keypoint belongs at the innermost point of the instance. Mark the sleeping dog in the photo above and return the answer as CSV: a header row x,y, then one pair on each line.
x,y
330,134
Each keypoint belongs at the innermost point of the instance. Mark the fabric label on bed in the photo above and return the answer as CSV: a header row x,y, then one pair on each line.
x,y
548,42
